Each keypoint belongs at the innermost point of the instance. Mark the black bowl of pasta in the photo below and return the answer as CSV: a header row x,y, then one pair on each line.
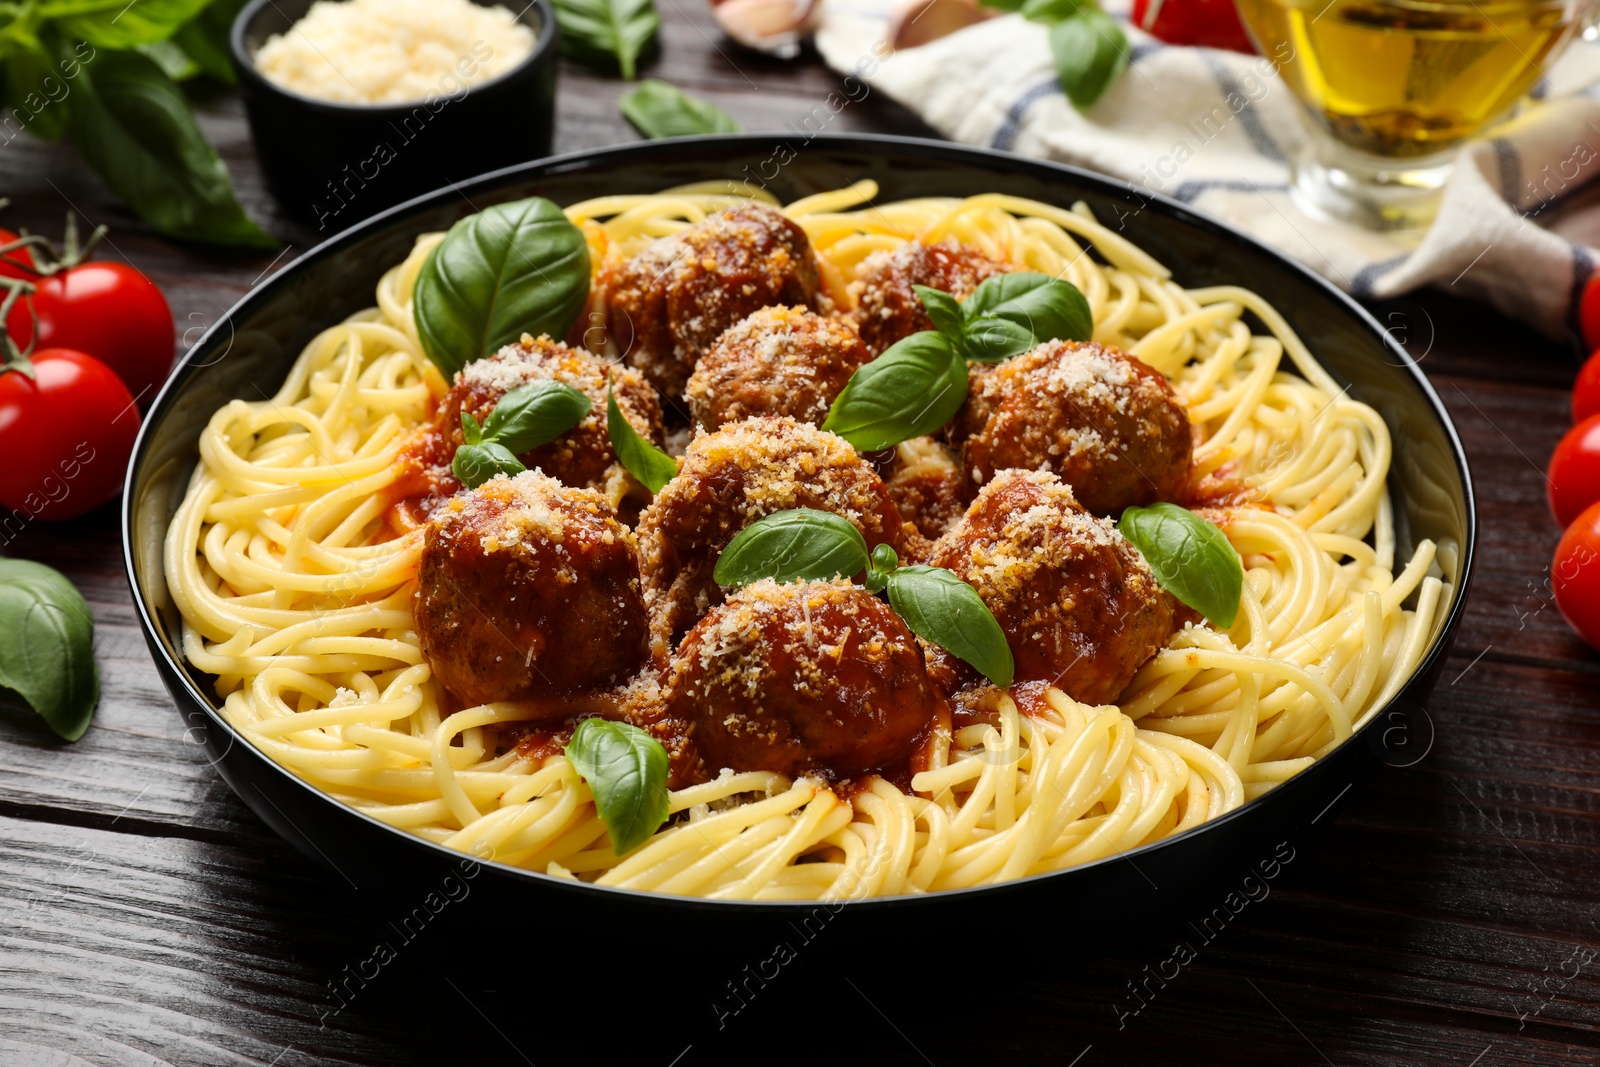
x,y
278,603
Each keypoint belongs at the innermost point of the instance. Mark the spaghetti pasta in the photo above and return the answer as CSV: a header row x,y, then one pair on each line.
x,y
295,595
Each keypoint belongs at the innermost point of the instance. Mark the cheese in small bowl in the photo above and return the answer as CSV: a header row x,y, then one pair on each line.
x,y
384,52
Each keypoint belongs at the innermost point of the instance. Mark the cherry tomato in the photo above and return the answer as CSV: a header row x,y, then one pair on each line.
x,y
1586,390
1589,313
1574,477
109,311
1575,575
1211,23
17,263
65,435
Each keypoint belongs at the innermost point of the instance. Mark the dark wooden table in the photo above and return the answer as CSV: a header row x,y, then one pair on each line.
x,y
1446,915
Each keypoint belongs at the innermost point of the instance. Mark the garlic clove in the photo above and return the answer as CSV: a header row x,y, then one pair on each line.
x,y
919,22
771,26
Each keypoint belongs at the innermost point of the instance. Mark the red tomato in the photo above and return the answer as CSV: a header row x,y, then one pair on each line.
x,y
109,311
65,435
1586,390
17,263
1211,23
1589,313
1574,477
1575,575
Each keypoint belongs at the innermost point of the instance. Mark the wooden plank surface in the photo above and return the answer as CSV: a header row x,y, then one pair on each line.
x,y
1448,915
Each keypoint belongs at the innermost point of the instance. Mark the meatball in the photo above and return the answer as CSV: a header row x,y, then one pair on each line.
x,y
528,588
1109,425
887,307
777,361
669,303
1078,604
927,484
729,479
580,457
805,677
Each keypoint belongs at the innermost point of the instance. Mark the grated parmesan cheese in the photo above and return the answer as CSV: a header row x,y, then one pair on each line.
x,y
394,51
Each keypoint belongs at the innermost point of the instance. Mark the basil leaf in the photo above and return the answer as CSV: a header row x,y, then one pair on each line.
x,y
882,563
626,770
801,544
30,74
657,109
471,432
512,269
475,464
943,309
535,414
124,25
941,608
650,466
1050,11
204,39
1190,557
1008,314
173,61
916,386
607,33
47,655
133,127
1090,50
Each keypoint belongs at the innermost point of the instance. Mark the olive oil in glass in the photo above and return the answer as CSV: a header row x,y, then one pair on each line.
x,y
1392,87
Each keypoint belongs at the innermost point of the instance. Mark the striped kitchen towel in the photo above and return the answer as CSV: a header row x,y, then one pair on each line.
x,y
1517,226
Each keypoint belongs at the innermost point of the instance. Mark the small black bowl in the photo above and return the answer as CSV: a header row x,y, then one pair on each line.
x,y
335,164
249,352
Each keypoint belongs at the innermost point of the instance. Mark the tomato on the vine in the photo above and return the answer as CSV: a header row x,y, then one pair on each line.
x,y
1589,313
107,310
1575,575
65,434
1210,23
1574,475
1586,390
18,262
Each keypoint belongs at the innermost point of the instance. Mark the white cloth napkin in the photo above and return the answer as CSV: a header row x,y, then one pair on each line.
x,y
1215,129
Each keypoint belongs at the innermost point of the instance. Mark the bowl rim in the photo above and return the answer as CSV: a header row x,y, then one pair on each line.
x,y
543,51
944,151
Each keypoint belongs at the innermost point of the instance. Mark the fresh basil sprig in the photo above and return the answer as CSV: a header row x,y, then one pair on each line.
x,y
511,269
1090,51
658,109
607,33
103,71
1011,313
626,770
133,126
914,387
47,656
1089,47
803,544
1190,557
650,466
919,383
525,418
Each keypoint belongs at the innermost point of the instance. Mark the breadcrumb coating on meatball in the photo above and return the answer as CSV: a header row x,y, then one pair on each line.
x,y
888,309
670,302
528,588
776,361
580,457
1078,604
1107,423
802,677
735,475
